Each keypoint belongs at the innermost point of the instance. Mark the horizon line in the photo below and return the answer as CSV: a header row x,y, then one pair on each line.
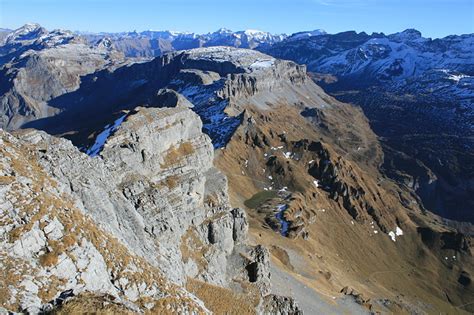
x,y
77,31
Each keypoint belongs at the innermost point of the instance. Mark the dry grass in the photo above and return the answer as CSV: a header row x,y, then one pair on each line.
x,y
193,248
88,303
171,305
282,256
8,278
175,155
5,180
220,300
49,259
211,200
69,240
171,181
49,292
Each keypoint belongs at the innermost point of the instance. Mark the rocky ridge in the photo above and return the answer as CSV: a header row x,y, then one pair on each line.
x,y
166,216
432,70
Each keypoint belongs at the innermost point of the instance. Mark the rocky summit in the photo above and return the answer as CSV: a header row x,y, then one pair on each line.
x,y
209,180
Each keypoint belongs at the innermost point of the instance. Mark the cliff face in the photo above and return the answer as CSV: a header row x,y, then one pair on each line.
x,y
133,223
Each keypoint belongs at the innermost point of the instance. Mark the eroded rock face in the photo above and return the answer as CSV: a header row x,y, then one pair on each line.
x,y
54,249
259,268
154,171
152,192
213,80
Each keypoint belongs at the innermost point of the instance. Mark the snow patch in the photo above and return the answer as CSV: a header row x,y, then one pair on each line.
x,y
99,143
393,234
280,216
398,231
259,64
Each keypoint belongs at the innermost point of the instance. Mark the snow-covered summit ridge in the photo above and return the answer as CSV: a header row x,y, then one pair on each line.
x,y
306,34
34,36
29,31
439,70
245,58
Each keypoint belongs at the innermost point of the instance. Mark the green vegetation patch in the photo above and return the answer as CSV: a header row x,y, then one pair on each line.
x,y
259,198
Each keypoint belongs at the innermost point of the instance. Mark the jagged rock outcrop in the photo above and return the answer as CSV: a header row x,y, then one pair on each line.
x,y
359,298
259,268
278,305
147,212
216,81
248,72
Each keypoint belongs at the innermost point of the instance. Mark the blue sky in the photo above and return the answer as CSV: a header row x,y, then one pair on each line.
x,y
434,18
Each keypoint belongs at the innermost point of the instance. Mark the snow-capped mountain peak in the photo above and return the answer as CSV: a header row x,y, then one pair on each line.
x,y
29,31
223,30
28,28
254,32
306,34
407,35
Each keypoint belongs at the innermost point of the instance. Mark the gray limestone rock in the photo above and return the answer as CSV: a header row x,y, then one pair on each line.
x,y
259,269
279,305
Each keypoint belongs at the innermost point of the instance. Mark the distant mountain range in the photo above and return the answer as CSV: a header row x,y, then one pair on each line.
x,y
405,61
154,43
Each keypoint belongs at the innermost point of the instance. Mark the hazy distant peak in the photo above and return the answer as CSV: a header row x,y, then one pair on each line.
x,y
307,34
29,31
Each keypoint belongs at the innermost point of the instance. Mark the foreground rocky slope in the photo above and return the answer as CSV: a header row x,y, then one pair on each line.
x,y
135,223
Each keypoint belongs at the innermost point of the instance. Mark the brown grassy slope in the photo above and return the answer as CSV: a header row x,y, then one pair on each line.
x,y
89,303
342,250
221,300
